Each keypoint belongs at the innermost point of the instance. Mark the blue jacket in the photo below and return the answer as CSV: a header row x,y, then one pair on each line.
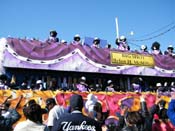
x,y
171,111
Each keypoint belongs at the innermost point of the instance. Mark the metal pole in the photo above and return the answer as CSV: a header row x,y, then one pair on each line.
x,y
117,28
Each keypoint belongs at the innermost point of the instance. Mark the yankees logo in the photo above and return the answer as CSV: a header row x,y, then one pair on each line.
x,y
68,126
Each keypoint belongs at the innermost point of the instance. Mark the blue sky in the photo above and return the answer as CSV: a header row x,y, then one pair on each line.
x,y
91,18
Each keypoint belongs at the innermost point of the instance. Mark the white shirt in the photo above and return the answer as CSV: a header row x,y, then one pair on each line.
x,y
29,125
54,114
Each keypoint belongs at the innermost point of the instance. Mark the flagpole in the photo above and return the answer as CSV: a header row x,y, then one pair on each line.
x,y
117,28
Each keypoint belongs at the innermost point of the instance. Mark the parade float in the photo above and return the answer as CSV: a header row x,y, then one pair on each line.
x,y
22,57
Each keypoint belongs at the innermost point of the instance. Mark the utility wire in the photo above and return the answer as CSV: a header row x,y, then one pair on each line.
x,y
133,44
155,36
172,23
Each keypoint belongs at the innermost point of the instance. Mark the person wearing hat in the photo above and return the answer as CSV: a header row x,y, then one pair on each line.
x,y
96,42
108,46
76,40
163,89
156,48
63,42
39,85
76,121
55,111
53,36
143,49
122,43
110,86
136,84
169,51
82,86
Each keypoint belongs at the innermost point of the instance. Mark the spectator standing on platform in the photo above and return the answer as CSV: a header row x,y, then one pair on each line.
x,y
53,84
169,51
108,46
63,42
156,48
172,86
96,42
122,43
136,87
76,120
136,84
55,111
24,85
99,85
64,84
39,85
53,36
143,49
110,86
164,89
83,86
77,40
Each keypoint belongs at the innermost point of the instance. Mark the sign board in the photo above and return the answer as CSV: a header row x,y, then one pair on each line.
x,y
127,58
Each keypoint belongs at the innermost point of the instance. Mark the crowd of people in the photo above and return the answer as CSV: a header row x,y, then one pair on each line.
x,y
156,118
137,84
72,117
121,43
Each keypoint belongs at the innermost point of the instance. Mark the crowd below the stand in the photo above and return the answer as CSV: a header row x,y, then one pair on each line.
x,y
121,43
156,118
72,117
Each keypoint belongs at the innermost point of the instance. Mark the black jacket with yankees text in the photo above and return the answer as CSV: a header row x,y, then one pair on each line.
x,y
76,121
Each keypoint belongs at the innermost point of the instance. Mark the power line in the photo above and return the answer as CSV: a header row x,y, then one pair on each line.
x,y
133,44
155,36
164,27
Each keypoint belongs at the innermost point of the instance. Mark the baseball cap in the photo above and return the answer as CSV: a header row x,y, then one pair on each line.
x,y
76,102
50,101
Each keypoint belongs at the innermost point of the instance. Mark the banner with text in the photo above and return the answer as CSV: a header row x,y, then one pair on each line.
x,y
124,58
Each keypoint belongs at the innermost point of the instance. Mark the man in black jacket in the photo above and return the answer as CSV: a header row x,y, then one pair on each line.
x,y
76,121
